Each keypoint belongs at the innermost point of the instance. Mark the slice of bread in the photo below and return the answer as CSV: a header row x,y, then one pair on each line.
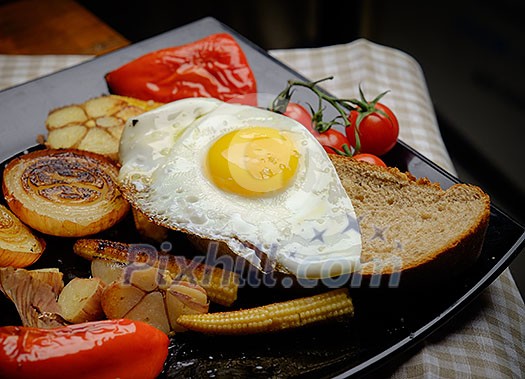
x,y
411,225
413,232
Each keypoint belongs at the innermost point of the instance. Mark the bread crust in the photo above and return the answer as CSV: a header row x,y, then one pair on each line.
x,y
445,261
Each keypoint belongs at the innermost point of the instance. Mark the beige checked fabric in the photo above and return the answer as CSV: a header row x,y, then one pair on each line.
x,y
487,339
17,69
377,69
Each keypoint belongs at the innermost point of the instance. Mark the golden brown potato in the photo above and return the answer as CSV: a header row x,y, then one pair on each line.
x,y
80,299
107,271
153,297
221,285
151,309
118,299
184,298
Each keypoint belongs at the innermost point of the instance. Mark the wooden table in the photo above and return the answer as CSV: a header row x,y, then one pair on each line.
x,y
54,27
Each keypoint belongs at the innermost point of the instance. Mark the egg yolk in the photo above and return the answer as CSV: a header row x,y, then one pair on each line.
x,y
254,161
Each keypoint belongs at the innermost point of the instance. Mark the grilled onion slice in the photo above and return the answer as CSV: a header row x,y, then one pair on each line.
x,y
64,192
34,293
19,247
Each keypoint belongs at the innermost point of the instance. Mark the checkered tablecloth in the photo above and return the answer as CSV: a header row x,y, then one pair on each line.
x,y
487,339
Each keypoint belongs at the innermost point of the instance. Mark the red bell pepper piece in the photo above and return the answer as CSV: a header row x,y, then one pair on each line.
x,y
100,349
214,66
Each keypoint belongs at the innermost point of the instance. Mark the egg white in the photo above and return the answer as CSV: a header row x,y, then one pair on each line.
x,y
308,229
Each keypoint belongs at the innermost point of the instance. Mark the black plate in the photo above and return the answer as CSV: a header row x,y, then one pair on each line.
x,y
388,321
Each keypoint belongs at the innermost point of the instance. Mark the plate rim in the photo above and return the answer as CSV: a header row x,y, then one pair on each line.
x,y
397,349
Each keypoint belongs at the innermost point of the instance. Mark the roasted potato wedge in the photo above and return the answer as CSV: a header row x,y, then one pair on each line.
x,y
80,300
150,295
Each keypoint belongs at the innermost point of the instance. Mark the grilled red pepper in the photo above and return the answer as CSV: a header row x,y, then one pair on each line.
x,y
214,66
101,349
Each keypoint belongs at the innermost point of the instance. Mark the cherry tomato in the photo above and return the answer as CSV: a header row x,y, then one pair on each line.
x,y
300,114
333,141
378,129
369,158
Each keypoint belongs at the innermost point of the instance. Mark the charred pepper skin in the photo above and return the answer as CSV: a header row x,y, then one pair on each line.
x,y
214,66
101,349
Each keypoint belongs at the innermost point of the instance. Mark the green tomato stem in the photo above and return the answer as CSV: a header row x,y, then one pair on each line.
x,y
342,106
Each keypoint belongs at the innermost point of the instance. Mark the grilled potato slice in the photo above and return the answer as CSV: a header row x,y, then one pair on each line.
x,y
153,296
80,300
95,125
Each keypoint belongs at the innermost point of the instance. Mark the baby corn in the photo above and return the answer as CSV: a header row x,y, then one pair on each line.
x,y
221,285
273,317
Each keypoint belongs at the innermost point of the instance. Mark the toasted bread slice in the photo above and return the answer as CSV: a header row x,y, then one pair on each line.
x,y
412,230
411,225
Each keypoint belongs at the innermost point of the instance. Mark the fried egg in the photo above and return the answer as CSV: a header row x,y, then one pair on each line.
x,y
253,179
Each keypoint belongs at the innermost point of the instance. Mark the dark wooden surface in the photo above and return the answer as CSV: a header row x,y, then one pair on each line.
x,y
54,27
